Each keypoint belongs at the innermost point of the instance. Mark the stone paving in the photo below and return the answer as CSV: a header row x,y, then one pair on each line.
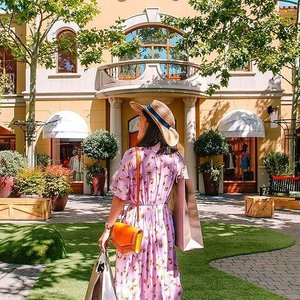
x,y
278,271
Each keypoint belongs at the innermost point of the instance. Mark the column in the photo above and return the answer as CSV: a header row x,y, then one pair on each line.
x,y
190,136
116,130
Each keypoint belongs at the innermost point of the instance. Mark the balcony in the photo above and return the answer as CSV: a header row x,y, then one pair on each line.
x,y
152,75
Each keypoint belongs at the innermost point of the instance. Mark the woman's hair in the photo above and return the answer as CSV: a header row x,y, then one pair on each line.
x,y
153,136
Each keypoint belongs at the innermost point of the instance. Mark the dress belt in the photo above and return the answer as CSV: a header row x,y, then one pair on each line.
x,y
148,205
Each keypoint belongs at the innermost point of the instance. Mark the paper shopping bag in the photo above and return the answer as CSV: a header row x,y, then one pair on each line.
x,y
101,285
188,234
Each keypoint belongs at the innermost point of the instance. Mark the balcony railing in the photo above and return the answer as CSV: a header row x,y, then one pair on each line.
x,y
132,69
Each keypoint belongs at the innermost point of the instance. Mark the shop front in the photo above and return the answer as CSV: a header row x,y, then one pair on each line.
x,y
241,128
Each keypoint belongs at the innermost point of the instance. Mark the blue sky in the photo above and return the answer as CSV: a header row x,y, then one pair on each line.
x,y
284,3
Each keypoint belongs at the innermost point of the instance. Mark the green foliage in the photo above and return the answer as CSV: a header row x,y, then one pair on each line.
x,y
214,171
209,143
29,181
31,244
11,162
277,163
237,32
58,181
91,170
43,160
5,84
100,145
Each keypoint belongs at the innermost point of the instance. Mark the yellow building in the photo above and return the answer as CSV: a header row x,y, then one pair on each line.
x,y
75,101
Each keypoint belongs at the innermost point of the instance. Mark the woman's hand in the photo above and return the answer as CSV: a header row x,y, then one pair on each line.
x,y
103,240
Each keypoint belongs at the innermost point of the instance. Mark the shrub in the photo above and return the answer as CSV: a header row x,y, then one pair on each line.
x,y
11,162
29,182
100,145
58,181
92,169
43,160
277,163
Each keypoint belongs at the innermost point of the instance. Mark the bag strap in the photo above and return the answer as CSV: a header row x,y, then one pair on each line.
x,y
137,176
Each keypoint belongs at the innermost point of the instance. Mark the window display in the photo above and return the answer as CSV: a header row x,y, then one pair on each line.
x,y
239,164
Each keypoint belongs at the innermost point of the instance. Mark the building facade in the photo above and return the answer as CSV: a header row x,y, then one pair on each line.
x,y
73,101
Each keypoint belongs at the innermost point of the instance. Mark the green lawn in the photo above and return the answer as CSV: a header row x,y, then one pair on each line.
x,y
67,278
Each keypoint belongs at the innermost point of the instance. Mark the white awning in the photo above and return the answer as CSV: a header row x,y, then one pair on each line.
x,y
65,125
242,123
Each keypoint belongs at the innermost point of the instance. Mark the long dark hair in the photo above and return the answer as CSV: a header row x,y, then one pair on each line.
x,y
154,136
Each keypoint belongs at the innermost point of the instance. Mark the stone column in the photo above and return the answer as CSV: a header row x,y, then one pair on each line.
x,y
116,130
190,136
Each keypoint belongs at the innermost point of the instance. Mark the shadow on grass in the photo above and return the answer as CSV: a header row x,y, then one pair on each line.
x,y
67,278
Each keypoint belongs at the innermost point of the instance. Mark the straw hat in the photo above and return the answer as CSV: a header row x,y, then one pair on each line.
x,y
163,117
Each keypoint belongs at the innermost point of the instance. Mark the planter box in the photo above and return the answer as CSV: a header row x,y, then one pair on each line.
x,y
25,208
259,206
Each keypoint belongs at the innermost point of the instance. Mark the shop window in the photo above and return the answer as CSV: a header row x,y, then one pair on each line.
x,y
8,67
66,59
239,163
69,154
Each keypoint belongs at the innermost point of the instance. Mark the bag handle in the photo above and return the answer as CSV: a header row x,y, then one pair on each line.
x,y
137,176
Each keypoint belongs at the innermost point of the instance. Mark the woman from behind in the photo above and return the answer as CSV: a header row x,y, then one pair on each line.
x,y
153,272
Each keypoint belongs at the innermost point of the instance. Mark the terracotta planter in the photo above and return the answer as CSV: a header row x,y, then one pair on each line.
x,y
211,187
59,203
97,185
6,184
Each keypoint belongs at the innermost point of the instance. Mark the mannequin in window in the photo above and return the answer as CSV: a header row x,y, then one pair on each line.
x,y
245,160
229,163
76,165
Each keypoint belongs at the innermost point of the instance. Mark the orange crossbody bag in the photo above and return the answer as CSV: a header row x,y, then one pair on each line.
x,y
126,238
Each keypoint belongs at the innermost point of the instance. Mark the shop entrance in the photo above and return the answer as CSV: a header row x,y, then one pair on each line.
x,y
240,166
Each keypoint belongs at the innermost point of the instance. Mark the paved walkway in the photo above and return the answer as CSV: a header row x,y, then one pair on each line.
x,y
278,271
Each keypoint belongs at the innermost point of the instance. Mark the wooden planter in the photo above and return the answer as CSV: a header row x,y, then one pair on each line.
x,y
25,208
259,206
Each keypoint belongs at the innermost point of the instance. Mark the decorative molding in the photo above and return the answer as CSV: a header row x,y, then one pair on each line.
x,y
64,75
189,102
115,102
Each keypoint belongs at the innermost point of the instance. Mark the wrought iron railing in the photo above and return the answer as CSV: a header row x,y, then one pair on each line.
x,y
132,69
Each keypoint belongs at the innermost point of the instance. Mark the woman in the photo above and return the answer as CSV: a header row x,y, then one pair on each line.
x,y
153,272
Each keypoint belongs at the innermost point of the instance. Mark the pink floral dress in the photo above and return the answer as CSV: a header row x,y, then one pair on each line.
x,y
153,273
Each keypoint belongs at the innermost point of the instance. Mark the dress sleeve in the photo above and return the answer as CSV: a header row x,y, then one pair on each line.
x,y
120,184
181,168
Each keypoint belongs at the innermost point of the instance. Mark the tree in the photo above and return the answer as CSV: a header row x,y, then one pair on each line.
x,y
226,35
40,16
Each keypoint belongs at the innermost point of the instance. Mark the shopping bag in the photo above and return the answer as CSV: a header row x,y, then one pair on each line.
x,y
188,234
101,284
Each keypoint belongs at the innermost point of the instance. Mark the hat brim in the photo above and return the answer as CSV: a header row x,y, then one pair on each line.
x,y
170,135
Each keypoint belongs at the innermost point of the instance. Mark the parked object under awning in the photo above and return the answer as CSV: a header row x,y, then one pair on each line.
x,y
65,125
242,123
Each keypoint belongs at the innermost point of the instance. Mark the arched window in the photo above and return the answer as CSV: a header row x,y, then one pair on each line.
x,y
8,67
156,42
67,62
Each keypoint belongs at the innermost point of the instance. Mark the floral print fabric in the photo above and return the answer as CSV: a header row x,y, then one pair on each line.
x,y
153,273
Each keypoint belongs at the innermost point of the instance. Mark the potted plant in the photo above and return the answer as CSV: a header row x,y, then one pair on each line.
x,y
58,185
100,145
43,160
95,176
29,182
209,144
10,163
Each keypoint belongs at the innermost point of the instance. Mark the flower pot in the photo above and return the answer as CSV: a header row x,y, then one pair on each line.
x,y
97,184
6,184
59,203
211,186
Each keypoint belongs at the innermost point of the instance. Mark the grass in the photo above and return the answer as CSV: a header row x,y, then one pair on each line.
x,y
67,278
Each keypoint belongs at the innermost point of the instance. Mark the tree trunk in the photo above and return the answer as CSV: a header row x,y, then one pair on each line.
x,y
30,121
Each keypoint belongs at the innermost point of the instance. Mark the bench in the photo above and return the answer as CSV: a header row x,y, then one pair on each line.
x,y
281,186
284,191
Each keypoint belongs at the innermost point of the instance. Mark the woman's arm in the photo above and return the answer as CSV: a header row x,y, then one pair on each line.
x,y
115,210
